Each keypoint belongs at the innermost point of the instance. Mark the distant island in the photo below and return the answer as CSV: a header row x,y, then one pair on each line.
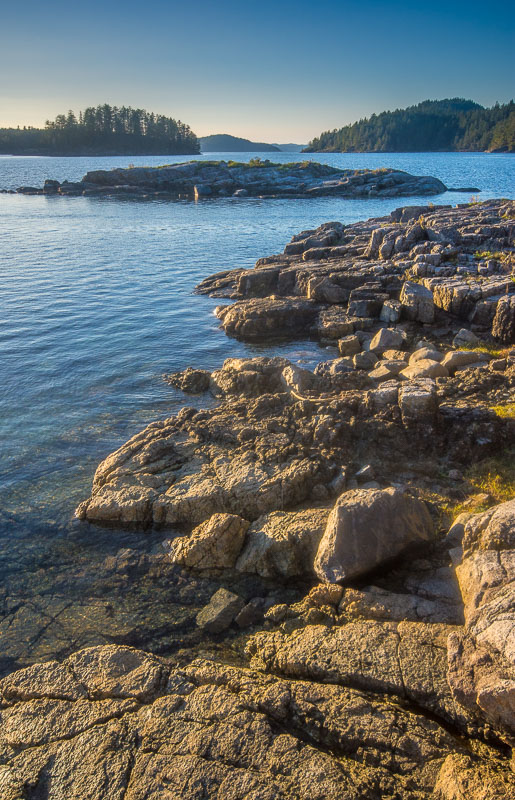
x,y
290,147
257,178
430,126
224,143
104,130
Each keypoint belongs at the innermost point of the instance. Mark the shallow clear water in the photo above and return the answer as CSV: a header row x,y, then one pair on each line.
x,y
96,304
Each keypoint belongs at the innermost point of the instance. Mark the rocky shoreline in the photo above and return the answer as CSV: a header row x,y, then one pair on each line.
x,y
376,658
212,179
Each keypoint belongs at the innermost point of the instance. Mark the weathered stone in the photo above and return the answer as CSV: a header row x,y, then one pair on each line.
x,y
297,380
407,659
322,290
417,302
349,345
395,367
395,355
215,544
390,312
387,393
386,339
465,337
382,373
220,612
333,323
482,659
418,402
461,358
377,603
364,360
191,381
116,672
503,326
221,731
366,528
425,368
476,779
425,353
283,544
248,376
258,319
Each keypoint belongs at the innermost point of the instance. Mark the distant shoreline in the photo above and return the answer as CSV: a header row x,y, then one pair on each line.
x,y
89,154
41,154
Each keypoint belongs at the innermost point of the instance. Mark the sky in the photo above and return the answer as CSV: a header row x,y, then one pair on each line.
x,y
278,71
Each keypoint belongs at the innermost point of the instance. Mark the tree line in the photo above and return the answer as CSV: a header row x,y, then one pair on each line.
x,y
103,130
433,125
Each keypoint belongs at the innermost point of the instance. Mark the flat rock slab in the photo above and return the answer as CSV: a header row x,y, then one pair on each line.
x,y
213,731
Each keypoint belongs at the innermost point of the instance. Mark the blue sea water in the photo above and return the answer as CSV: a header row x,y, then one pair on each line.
x,y
96,304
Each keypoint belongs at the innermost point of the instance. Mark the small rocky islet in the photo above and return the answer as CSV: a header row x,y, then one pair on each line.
x,y
215,179
388,671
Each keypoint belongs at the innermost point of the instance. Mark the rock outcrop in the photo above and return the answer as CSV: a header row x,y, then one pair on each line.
x,y
211,179
482,657
371,652
418,264
85,728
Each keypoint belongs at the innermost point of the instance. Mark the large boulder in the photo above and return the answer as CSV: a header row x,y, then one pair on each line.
x,y
482,658
368,527
461,358
215,544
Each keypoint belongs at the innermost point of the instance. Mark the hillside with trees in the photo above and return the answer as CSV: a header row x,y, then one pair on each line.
x,y
104,130
434,125
224,143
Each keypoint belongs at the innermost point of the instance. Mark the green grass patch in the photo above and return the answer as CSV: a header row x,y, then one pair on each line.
x,y
488,348
494,477
505,411
487,254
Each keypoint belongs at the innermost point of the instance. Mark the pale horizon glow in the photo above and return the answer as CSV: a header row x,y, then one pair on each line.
x,y
271,72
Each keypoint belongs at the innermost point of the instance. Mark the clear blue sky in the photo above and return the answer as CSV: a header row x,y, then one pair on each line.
x,y
271,71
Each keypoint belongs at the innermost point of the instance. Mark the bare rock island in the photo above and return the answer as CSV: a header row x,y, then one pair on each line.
x,y
376,660
203,179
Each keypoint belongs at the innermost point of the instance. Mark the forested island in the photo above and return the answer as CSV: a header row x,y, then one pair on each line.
x,y
433,125
224,143
104,130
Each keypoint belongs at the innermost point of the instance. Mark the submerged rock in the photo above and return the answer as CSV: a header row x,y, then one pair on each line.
x,y
220,612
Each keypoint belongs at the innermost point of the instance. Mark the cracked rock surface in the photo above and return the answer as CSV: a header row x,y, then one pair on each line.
x,y
119,724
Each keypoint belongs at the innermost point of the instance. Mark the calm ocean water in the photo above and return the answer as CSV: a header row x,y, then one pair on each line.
x,y
96,304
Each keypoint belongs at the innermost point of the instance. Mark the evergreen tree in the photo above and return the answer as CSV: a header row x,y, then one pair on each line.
x,y
433,125
104,130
